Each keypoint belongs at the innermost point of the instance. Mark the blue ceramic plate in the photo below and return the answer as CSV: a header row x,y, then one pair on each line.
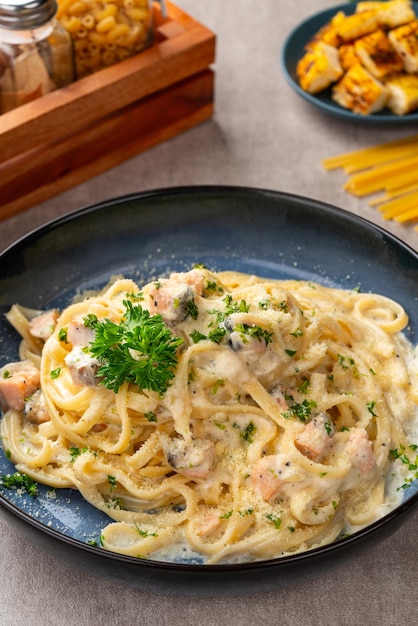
x,y
142,236
293,50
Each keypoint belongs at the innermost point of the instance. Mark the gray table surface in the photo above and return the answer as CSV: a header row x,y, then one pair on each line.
x,y
262,135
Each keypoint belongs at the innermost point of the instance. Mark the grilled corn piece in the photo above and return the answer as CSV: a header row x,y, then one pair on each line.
x,y
360,92
403,93
329,33
319,67
348,56
370,58
405,41
389,14
378,55
357,25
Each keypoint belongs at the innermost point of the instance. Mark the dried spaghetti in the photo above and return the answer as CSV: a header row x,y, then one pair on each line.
x,y
389,167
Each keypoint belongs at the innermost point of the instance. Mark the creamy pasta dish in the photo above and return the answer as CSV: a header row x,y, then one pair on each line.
x,y
220,416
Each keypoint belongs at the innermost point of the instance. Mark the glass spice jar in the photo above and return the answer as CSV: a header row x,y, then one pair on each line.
x,y
36,52
105,32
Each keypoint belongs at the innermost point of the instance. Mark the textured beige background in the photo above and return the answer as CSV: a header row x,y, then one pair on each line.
x,y
262,135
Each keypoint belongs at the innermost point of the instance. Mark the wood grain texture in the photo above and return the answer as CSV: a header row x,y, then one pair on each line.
x,y
72,134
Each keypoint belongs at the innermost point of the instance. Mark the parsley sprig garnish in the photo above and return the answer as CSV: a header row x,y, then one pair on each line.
x,y
140,349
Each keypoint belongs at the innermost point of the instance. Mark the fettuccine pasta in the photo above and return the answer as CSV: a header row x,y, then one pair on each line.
x,y
219,417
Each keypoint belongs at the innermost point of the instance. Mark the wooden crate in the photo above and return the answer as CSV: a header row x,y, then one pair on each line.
x,y
75,133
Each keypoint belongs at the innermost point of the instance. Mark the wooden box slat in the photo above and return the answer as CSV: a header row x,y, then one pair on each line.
x,y
70,135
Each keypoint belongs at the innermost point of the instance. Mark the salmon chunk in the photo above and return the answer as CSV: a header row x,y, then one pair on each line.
x,y
18,381
360,450
315,438
271,473
42,326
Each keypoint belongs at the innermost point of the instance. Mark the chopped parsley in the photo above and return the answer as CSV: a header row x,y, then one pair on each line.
x,y
255,331
217,334
218,384
412,464
304,387
20,481
55,373
297,333
301,410
274,519
146,533
264,304
233,306
249,432
76,452
328,427
192,309
136,297
212,287
112,482
115,503
62,334
247,512
370,407
90,320
290,353
92,542
197,336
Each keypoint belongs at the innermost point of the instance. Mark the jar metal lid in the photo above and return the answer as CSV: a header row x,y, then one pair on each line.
x,y
26,14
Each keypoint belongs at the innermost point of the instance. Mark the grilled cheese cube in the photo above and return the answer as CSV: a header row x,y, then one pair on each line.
x,y
319,67
405,41
360,92
348,56
403,93
329,33
378,55
357,25
389,14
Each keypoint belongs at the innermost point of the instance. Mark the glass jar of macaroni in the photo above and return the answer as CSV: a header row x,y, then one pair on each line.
x,y
105,32
36,52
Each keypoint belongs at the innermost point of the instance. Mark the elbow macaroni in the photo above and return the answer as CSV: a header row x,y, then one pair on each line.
x,y
105,33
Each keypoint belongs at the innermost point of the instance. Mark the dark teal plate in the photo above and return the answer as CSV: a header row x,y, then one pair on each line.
x,y
143,236
293,50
